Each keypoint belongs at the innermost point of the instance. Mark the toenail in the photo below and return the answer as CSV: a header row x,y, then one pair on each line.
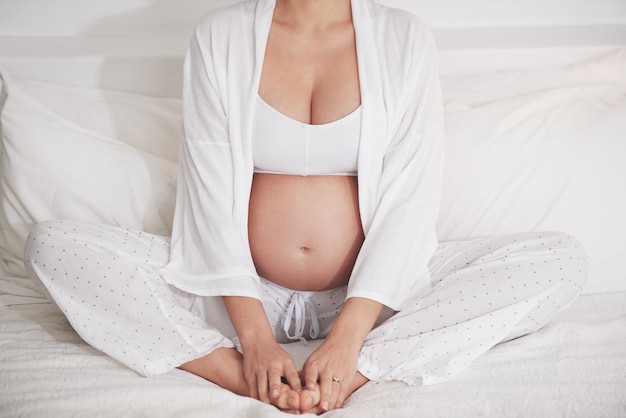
x,y
325,406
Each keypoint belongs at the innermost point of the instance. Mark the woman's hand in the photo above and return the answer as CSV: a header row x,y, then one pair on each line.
x,y
264,364
334,364
264,361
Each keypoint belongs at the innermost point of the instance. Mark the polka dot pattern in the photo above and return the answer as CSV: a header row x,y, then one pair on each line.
x,y
485,291
105,281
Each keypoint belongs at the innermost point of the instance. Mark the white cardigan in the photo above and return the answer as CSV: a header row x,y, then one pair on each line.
x,y
399,167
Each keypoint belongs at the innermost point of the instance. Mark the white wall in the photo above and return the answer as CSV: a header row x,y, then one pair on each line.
x,y
137,45
126,17
481,13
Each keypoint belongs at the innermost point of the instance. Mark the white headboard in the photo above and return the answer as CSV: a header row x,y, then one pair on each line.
x,y
138,45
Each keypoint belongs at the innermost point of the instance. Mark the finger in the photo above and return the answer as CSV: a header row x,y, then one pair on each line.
x,y
275,384
261,382
292,376
343,393
326,390
254,392
334,394
252,386
311,376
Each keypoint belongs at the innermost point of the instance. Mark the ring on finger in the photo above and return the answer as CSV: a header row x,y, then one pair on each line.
x,y
336,379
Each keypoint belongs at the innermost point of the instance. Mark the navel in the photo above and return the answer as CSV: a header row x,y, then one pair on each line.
x,y
305,250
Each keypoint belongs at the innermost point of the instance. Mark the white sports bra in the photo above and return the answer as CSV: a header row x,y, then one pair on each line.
x,y
281,145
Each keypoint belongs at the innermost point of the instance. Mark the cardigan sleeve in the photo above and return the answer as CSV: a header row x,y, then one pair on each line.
x,y
210,254
392,266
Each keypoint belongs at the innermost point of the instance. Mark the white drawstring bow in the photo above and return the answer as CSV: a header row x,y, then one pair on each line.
x,y
297,310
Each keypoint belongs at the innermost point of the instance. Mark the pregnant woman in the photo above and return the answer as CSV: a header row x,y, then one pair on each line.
x,y
308,191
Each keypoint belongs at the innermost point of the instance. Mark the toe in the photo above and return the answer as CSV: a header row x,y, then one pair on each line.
x,y
309,399
288,399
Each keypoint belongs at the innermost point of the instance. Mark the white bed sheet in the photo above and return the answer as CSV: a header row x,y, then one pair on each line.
x,y
575,367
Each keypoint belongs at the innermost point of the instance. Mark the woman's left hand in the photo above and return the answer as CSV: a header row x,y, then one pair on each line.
x,y
333,365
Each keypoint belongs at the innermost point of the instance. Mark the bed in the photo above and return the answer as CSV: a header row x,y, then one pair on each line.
x,y
535,102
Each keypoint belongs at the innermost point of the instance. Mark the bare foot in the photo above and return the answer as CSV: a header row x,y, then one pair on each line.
x,y
223,367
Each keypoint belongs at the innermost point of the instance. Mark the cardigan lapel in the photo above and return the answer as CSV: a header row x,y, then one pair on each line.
x,y
262,23
374,115
252,54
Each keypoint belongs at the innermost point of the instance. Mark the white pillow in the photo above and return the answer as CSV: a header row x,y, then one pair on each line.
x,y
550,160
481,88
89,155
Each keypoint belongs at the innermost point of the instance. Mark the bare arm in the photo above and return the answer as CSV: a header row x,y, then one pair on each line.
x,y
355,321
264,361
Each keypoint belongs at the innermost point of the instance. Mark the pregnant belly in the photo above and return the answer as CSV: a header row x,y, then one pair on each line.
x,y
305,232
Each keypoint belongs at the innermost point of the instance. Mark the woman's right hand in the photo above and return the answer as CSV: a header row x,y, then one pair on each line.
x,y
265,363
264,360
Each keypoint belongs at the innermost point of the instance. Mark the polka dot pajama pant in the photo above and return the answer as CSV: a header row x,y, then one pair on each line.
x,y
484,291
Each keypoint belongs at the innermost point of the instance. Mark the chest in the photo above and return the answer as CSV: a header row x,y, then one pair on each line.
x,y
311,79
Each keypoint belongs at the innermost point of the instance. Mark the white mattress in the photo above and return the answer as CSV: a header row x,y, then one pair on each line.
x,y
575,366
